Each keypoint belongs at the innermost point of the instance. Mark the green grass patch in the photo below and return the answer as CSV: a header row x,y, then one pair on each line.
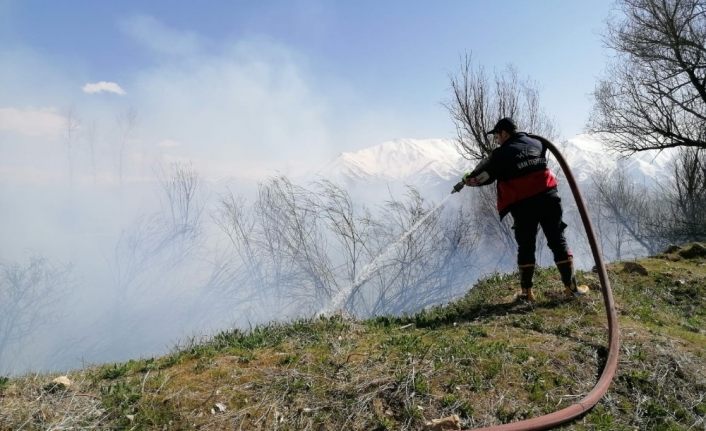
x,y
481,357
114,371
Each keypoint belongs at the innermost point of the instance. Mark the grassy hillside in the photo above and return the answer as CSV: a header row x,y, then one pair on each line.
x,y
482,358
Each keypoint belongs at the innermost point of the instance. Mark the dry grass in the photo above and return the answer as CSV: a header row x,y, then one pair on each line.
x,y
32,402
483,359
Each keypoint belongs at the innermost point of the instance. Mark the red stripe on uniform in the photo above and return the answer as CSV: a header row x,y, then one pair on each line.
x,y
516,189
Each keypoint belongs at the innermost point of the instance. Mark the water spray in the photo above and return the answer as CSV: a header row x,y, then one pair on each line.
x,y
374,265
586,403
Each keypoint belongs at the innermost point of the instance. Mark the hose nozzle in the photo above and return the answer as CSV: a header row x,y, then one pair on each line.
x,y
458,187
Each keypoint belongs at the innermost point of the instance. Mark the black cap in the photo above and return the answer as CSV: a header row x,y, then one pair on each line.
x,y
505,124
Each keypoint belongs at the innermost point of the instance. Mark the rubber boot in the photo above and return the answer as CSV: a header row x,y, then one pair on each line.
x,y
526,274
566,270
526,295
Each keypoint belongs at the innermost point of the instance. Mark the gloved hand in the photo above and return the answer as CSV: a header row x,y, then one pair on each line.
x,y
469,180
457,188
477,180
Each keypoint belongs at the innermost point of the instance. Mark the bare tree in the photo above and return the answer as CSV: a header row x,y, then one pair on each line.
x,y
494,230
180,189
71,127
91,136
301,248
477,103
287,210
281,244
351,231
256,274
632,209
28,300
158,243
424,258
138,248
654,94
127,122
687,197
238,225
612,234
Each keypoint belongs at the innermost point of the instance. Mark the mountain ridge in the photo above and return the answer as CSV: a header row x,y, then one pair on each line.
x,y
424,162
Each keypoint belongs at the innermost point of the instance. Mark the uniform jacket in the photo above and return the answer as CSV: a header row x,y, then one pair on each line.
x,y
520,167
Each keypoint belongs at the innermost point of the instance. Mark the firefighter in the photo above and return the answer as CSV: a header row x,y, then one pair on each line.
x,y
527,189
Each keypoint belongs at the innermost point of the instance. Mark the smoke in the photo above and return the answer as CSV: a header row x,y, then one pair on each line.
x,y
112,182
95,170
375,264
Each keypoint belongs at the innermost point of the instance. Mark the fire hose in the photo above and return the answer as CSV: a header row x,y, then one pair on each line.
x,y
591,399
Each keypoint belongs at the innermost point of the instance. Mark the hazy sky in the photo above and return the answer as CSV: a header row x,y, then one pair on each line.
x,y
99,98
279,81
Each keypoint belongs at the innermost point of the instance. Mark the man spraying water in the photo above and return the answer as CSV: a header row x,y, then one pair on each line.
x,y
527,189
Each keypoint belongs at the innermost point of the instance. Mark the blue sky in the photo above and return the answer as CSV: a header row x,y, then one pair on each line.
x,y
100,100
278,80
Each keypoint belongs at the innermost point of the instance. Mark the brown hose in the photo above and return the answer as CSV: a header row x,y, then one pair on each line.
x,y
571,412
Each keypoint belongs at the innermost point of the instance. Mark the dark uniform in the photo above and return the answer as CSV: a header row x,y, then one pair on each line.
x,y
527,189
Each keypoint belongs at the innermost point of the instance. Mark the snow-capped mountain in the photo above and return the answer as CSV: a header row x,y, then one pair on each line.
x,y
412,160
588,156
437,163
